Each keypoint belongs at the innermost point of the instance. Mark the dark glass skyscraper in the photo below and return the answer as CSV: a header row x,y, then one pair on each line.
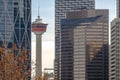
x,y
61,8
84,45
15,32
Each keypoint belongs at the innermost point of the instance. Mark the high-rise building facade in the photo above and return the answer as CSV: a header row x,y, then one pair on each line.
x,y
84,45
115,50
118,8
61,7
15,31
114,60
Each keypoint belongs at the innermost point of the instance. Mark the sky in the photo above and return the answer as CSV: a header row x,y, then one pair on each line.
x,y
47,8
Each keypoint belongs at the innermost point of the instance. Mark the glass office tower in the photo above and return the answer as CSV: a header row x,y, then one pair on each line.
x,y
15,34
84,45
61,8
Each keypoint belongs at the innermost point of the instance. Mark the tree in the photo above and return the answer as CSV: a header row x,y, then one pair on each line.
x,y
13,66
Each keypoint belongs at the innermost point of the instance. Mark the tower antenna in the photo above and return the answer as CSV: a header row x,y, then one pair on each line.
x,y
38,8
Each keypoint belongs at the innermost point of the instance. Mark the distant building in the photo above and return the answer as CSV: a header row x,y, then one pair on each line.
x,y
15,32
61,8
84,45
118,8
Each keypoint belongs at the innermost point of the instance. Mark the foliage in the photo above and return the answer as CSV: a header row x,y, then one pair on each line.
x,y
12,65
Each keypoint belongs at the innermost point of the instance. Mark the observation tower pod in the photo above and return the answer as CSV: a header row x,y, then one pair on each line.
x,y
39,27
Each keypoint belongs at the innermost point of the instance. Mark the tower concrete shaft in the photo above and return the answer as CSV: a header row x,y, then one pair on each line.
x,y
38,54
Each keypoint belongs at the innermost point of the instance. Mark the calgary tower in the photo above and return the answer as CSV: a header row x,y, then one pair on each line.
x,y
39,27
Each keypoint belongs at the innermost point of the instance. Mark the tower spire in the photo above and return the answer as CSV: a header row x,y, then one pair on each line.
x,y
38,9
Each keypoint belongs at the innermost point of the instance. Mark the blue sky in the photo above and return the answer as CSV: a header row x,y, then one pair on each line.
x,y
47,14
47,7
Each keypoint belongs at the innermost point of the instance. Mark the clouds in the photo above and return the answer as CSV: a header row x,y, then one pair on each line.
x,y
47,53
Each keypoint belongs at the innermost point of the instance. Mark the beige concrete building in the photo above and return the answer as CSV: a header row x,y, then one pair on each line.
x,y
115,50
